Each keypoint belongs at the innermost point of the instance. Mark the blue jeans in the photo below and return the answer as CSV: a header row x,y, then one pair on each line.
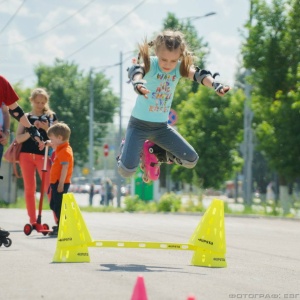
x,y
161,134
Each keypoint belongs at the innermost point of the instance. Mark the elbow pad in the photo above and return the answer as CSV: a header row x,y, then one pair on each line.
x,y
16,113
135,69
200,75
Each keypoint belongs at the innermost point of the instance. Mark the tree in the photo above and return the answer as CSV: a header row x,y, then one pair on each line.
x,y
270,53
213,126
69,92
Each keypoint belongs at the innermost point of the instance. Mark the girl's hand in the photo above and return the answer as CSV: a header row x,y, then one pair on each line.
x,y
41,145
44,125
143,90
37,124
221,92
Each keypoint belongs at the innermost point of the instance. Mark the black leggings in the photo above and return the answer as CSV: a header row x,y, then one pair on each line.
x,y
56,198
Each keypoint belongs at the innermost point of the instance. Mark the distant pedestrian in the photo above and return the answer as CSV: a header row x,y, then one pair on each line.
x,y
91,194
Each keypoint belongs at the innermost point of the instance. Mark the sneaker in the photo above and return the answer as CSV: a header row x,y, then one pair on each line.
x,y
54,231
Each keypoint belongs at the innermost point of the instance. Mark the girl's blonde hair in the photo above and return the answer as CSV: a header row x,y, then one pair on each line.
x,y
171,40
43,92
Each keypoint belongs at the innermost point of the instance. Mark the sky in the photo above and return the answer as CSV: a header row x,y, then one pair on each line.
x,y
93,33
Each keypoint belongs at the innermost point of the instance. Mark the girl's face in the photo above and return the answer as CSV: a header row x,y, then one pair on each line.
x,y
39,103
167,60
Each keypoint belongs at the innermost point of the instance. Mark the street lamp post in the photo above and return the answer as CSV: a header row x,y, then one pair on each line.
x,y
247,145
120,130
91,129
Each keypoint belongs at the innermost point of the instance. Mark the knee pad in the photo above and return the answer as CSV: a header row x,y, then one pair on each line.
x,y
125,172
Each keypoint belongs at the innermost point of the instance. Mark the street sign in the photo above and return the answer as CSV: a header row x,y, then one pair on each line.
x,y
106,149
85,171
172,117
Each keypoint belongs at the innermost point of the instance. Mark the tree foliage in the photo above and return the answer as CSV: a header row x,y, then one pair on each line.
x,y
70,95
272,53
213,126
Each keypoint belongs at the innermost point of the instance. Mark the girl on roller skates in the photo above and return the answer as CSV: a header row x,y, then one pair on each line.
x,y
155,80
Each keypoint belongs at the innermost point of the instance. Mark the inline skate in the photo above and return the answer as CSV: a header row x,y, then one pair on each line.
x,y
4,238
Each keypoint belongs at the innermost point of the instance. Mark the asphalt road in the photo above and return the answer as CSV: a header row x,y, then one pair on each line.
x,y
262,256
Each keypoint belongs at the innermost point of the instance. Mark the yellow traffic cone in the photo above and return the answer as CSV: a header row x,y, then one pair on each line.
x,y
209,238
73,236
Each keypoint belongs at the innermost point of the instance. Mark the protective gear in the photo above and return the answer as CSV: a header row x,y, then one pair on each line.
x,y
16,113
217,85
33,131
132,71
137,85
135,69
200,75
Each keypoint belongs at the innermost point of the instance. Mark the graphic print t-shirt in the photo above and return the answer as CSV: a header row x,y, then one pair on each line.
x,y
162,87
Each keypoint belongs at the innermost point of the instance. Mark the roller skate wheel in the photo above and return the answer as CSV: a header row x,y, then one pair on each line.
x,y
151,150
145,178
8,242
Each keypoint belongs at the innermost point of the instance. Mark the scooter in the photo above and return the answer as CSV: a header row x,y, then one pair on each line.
x,y
38,226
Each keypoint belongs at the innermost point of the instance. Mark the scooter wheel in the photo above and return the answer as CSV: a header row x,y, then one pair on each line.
x,y
8,242
45,227
28,229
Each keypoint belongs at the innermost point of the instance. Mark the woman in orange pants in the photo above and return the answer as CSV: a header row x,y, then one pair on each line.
x,y
31,158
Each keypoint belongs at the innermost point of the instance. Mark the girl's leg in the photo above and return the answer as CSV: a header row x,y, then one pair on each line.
x,y
170,140
130,156
40,166
28,168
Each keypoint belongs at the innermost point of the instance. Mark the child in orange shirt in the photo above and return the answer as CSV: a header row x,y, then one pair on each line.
x,y
62,167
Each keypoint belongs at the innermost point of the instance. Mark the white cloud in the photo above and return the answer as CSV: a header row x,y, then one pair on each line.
x,y
220,31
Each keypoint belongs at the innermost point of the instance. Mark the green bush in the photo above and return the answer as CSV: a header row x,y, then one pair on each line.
x,y
134,203
169,202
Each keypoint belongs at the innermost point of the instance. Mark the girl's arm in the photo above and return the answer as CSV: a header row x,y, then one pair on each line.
x,y
22,135
205,77
63,175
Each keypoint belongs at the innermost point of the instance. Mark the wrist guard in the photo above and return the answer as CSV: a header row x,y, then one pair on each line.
x,y
134,70
217,85
33,131
137,85
200,75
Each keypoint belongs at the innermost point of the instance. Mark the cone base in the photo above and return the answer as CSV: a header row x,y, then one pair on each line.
x,y
74,255
210,259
